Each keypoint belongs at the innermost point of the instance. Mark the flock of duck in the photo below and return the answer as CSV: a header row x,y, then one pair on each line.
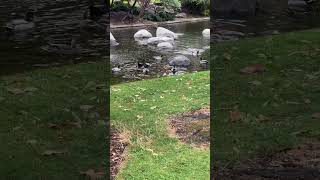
x,y
163,41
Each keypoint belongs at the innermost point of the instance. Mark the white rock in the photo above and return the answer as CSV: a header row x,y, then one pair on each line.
x,y
143,33
179,60
113,41
165,45
163,32
157,40
206,33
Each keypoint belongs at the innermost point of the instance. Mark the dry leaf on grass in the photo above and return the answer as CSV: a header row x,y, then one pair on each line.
x,y
93,174
252,69
86,108
65,125
15,91
235,115
30,89
316,115
53,152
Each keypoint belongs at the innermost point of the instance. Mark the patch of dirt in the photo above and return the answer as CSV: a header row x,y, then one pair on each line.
x,y
118,147
299,163
192,127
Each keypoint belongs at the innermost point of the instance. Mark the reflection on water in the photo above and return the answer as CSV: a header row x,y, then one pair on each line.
x,y
58,23
129,53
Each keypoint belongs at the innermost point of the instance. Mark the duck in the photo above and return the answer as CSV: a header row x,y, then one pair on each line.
x,y
116,69
158,57
145,70
195,53
202,61
147,65
21,24
174,70
139,65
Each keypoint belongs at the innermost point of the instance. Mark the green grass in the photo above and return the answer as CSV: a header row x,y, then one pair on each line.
x,y
142,109
55,96
292,80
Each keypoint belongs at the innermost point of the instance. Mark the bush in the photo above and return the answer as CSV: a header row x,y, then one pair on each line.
x,y
160,15
120,6
201,7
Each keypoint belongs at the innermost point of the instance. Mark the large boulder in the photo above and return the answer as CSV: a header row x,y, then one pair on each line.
x,y
163,32
179,60
157,40
113,41
206,33
143,33
165,45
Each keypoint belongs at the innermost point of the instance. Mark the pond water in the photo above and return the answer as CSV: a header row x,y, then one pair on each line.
x,y
57,24
129,52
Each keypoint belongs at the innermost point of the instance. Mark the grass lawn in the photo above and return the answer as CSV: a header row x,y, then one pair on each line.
x,y
53,122
141,109
276,106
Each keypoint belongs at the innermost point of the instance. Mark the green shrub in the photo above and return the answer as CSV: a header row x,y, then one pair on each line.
x,y
197,6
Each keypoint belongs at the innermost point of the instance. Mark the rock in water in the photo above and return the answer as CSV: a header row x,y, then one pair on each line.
x,y
179,60
206,33
165,45
163,32
113,41
143,33
157,40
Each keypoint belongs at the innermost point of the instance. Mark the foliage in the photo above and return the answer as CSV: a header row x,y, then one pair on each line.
x,y
175,4
197,6
161,14
120,6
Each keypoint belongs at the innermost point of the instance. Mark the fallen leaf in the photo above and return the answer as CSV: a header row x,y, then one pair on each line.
x,y
90,85
15,91
316,115
65,125
262,117
235,115
153,107
53,152
255,82
252,69
227,56
86,108
30,89
307,101
32,141
92,174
